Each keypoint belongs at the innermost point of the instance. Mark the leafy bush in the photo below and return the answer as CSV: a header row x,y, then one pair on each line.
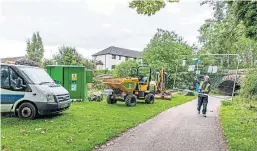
x,y
47,62
101,72
249,85
98,84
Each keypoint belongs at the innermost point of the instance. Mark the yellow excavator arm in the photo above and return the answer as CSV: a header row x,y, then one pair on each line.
x,y
160,80
161,83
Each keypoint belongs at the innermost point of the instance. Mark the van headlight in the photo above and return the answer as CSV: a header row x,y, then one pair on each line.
x,y
50,98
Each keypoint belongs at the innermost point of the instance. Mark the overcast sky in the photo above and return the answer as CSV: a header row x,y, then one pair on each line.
x,y
92,25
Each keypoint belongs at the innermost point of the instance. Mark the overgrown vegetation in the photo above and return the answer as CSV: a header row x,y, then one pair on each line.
x,y
249,85
239,122
83,126
239,119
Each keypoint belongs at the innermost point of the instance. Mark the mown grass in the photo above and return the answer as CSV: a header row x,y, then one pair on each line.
x,y
239,123
83,126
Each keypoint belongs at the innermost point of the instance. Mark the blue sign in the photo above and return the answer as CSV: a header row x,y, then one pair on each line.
x,y
196,61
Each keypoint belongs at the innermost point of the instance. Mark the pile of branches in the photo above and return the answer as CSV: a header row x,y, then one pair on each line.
x,y
27,62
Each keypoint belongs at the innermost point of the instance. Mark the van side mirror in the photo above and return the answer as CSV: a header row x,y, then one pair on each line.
x,y
55,82
19,81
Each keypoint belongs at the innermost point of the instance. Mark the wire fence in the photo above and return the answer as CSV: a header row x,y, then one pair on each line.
x,y
221,68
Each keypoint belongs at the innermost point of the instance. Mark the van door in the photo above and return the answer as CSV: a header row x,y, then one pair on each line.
x,y
11,90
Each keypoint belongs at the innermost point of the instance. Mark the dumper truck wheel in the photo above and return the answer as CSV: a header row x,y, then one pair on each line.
x,y
27,111
98,98
89,99
131,100
149,98
110,100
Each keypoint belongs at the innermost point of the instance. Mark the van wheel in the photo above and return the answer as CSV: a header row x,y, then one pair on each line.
x,y
27,111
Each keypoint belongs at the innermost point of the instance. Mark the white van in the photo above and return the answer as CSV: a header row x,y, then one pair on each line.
x,y
28,91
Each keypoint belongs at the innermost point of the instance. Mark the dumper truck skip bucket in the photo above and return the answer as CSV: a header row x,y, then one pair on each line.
x,y
126,85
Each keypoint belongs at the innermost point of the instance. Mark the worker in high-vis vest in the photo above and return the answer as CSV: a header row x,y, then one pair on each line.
x,y
204,89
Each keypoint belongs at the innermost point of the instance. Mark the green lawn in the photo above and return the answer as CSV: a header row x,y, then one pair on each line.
x,y
239,122
82,127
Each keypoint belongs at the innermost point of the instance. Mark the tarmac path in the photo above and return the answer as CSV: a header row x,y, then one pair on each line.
x,y
176,129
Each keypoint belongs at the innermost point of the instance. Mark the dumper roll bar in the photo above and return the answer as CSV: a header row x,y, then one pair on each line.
x,y
150,73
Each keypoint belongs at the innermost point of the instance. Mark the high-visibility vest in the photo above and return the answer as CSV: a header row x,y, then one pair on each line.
x,y
206,87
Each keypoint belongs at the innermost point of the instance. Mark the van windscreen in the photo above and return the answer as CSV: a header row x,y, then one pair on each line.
x,y
37,75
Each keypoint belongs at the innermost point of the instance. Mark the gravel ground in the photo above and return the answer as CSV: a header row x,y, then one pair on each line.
x,y
177,129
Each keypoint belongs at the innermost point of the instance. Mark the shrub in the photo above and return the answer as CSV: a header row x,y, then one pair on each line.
x,y
98,84
249,85
102,72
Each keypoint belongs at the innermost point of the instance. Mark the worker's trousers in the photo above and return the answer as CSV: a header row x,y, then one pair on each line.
x,y
202,101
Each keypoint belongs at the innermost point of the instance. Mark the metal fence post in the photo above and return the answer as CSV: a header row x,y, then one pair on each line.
x,y
174,82
233,92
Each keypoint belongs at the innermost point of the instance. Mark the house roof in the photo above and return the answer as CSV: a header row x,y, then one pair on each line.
x,y
3,60
119,51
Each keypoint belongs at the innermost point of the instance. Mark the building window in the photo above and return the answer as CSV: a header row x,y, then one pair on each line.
x,y
113,56
113,66
126,58
119,57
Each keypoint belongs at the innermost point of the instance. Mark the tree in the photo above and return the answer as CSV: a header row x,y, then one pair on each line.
x,y
149,7
35,48
46,62
227,35
249,85
69,56
219,8
125,69
246,11
163,50
89,64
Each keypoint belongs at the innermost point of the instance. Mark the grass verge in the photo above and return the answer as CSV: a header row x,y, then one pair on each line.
x,y
239,123
83,126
